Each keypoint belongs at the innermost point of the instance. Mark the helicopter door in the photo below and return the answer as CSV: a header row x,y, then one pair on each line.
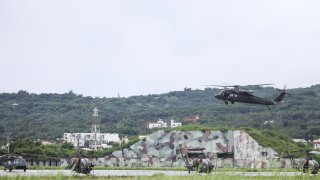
x,y
225,95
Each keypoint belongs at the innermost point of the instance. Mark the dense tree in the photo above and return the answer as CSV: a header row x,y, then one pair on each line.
x,y
48,116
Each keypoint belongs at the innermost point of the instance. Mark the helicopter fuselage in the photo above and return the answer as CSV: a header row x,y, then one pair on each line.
x,y
15,163
242,97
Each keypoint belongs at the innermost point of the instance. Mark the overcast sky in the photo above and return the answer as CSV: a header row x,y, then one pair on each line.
x,y
100,48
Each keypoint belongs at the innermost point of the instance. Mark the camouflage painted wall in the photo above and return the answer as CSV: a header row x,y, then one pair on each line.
x,y
162,149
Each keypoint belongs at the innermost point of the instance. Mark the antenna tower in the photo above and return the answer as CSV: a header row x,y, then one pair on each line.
x,y
95,131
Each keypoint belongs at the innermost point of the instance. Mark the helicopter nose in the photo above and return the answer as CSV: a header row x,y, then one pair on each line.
x,y
217,96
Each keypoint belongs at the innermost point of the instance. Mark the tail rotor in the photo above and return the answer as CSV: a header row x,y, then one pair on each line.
x,y
282,94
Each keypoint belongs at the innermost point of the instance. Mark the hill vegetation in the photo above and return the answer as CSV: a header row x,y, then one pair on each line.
x,y
31,148
48,116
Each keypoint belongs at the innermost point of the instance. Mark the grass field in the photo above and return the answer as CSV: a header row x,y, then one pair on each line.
x,y
219,174
163,177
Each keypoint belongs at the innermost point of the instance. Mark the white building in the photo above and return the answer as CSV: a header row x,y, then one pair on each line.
x,y
303,141
161,124
46,143
316,144
174,124
81,138
158,124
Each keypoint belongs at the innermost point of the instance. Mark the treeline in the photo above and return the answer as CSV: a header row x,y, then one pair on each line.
x,y
34,149
48,116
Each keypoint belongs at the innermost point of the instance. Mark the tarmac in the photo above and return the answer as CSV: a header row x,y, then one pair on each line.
x,y
127,173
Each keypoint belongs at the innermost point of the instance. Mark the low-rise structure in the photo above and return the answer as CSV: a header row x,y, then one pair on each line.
x,y
191,119
174,124
158,124
79,139
303,141
46,143
316,144
162,124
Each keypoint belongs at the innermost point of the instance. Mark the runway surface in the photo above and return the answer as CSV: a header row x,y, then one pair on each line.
x,y
137,173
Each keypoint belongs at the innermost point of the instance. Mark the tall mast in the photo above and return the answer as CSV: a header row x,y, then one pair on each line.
x,y
95,130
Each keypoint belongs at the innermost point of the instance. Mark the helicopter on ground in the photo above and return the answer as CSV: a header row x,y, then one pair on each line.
x,y
310,165
11,162
244,96
19,161
80,165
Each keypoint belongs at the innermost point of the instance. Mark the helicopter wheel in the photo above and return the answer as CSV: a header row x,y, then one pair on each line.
x,y
232,102
10,169
226,102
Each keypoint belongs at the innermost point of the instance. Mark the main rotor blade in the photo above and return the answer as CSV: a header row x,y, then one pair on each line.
x,y
268,84
39,155
237,86
219,85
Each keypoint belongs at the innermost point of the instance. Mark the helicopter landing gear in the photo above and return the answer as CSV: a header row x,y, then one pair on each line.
x,y
232,102
226,102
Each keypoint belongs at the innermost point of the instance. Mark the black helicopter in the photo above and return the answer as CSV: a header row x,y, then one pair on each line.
x,y
12,161
19,161
80,165
244,96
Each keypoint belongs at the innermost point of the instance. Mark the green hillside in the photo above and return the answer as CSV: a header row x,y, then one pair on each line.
x,y
48,116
